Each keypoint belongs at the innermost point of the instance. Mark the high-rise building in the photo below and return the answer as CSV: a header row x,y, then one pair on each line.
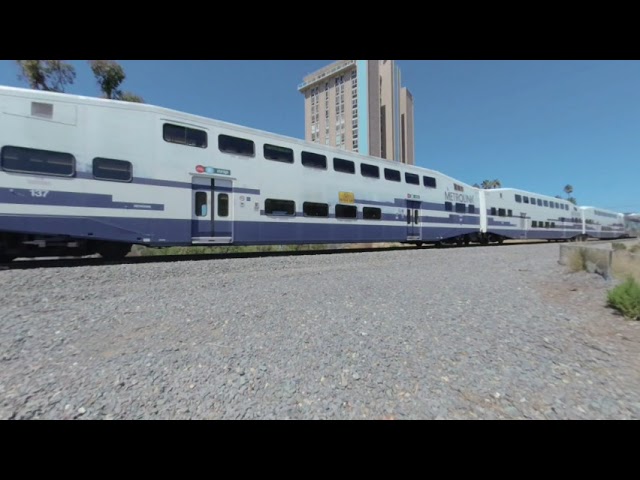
x,y
359,105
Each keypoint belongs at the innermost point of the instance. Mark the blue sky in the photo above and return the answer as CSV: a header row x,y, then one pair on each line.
x,y
536,125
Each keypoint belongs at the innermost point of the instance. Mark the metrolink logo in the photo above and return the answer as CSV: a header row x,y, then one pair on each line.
x,y
458,197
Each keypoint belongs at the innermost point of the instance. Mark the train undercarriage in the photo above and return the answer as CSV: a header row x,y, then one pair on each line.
x,y
17,245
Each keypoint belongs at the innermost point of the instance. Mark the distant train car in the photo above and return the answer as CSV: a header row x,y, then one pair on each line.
x,y
632,224
509,213
601,223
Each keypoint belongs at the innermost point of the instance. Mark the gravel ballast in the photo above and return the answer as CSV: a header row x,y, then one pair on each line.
x,y
458,333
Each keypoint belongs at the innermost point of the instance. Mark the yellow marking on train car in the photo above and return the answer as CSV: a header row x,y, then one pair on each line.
x,y
347,197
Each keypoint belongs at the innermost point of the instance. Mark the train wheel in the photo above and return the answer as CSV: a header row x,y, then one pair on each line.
x,y
113,251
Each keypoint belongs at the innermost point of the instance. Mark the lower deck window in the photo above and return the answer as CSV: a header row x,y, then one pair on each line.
x,y
371,213
113,170
279,207
38,162
311,209
346,211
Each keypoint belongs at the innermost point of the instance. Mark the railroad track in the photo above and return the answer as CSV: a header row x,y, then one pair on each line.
x,y
26,264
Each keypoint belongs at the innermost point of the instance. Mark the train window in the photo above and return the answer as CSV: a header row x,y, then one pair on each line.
x,y
278,154
236,146
509,213
493,211
429,182
344,166
314,160
315,209
461,208
546,224
533,201
557,205
201,204
392,175
223,205
472,209
502,212
371,213
279,207
113,170
545,203
346,211
371,171
448,206
534,223
412,178
553,224
38,162
184,135
519,198
525,199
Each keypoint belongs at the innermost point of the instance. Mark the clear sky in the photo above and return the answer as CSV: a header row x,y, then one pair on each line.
x,y
535,125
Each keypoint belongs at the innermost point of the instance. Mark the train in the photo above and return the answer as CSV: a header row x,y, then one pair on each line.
x,y
82,176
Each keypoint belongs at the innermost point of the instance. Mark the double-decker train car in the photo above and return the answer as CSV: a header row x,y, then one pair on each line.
x,y
83,175
80,175
601,223
518,214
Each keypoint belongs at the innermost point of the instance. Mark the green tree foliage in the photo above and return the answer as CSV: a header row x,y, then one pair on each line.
x,y
568,189
489,184
131,97
49,75
109,74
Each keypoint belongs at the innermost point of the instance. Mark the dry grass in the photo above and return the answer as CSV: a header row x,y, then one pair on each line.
x,y
626,264
577,260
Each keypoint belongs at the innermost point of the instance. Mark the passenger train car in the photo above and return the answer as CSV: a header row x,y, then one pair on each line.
x,y
601,223
518,214
82,175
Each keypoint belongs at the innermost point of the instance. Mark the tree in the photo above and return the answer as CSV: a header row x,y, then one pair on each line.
x,y
131,97
49,75
568,189
489,184
572,200
110,75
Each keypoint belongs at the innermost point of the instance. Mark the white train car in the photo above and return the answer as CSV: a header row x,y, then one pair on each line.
x,y
80,175
601,223
510,213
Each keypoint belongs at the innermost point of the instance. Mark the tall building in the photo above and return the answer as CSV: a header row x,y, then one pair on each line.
x,y
359,105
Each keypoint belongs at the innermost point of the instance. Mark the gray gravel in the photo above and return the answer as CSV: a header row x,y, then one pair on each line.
x,y
487,333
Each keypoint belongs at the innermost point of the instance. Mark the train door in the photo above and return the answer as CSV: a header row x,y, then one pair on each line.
x,y
211,212
414,232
